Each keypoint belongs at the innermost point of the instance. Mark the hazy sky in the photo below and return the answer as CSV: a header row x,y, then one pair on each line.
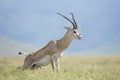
x,y
35,22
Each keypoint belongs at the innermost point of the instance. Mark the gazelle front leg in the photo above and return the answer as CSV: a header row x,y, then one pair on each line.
x,y
57,64
52,62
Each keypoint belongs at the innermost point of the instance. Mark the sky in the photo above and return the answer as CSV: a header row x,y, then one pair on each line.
x,y
35,22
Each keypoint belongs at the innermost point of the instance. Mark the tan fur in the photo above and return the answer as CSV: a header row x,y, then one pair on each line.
x,y
50,49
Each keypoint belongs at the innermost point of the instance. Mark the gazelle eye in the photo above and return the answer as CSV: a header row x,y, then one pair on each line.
x,y
74,31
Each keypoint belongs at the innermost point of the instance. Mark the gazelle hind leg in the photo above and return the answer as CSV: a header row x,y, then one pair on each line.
x,y
27,63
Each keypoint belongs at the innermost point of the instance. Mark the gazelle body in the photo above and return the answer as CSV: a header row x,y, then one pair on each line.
x,y
53,48
46,60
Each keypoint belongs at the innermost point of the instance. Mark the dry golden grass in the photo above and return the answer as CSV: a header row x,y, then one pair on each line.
x,y
72,68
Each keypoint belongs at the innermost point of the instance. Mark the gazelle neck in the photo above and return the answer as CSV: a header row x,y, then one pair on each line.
x,y
64,42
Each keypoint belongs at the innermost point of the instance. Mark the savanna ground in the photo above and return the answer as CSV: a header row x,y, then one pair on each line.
x,y
71,68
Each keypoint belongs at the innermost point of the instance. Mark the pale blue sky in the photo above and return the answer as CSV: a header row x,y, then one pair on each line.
x,y
35,22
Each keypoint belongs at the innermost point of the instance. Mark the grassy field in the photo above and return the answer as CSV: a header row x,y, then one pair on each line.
x,y
72,68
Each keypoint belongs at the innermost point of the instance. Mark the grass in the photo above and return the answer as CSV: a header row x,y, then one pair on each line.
x,y
71,68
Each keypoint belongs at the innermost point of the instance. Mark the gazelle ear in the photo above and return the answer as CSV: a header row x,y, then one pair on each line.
x,y
67,28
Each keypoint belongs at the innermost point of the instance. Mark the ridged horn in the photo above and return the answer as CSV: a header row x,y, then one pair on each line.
x,y
74,26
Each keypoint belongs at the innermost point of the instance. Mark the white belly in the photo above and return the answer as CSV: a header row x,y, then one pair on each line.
x,y
46,60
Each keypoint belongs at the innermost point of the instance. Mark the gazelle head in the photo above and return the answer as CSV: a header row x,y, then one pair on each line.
x,y
74,32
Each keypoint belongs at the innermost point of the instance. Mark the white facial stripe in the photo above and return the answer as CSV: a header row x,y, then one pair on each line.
x,y
77,33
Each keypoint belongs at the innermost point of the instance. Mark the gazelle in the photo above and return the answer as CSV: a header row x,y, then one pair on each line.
x,y
54,49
